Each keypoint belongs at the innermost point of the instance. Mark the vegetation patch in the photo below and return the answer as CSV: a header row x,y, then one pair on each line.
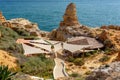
x,y
104,59
38,66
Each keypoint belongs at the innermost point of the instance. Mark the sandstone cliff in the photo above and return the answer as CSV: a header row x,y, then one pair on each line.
x,y
7,60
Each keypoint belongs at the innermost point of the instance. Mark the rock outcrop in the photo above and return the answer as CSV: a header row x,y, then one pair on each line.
x,y
70,26
106,72
111,27
70,17
21,23
2,18
110,38
118,57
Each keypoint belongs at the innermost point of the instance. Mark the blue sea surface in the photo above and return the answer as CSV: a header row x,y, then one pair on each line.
x,y
48,13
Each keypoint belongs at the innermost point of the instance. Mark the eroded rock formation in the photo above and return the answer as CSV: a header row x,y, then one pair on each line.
x,y
70,17
70,26
2,18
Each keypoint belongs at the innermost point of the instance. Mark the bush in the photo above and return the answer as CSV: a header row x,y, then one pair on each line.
x,y
74,75
79,61
22,32
104,59
87,54
88,72
70,59
38,66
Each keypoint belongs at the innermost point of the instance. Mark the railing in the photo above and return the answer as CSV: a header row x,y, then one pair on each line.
x,y
63,70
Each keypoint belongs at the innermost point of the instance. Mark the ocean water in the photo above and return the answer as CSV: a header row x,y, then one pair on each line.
x,y
48,13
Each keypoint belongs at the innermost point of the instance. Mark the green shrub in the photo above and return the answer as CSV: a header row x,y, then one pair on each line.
x,y
5,74
104,59
38,66
108,51
74,75
70,59
79,61
88,72
22,32
87,54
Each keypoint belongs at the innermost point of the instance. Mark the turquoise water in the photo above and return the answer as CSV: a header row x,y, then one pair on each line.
x,y
48,13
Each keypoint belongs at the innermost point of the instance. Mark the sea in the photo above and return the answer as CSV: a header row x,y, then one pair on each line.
x,y
48,13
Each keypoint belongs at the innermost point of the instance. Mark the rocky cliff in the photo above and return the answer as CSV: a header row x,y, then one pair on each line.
x,y
21,23
7,60
70,26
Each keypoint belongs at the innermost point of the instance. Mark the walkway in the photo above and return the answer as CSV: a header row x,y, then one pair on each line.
x,y
46,45
59,69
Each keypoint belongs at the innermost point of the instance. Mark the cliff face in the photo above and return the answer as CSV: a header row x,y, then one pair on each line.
x,y
7,60
70,17
2,18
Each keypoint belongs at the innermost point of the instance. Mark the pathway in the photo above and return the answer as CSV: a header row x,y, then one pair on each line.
x,y
59,69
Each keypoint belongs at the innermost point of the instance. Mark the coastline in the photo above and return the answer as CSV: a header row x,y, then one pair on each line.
x,y
83,49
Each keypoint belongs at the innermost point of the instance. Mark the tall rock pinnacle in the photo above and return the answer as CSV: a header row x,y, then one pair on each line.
x,y
70,17
2,18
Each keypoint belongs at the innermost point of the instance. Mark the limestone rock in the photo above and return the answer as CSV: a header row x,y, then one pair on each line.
x,y
63,34
7,60
23,24
118,57
104,37
70,17
70,26
111,27
2,18
7,24
106,72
